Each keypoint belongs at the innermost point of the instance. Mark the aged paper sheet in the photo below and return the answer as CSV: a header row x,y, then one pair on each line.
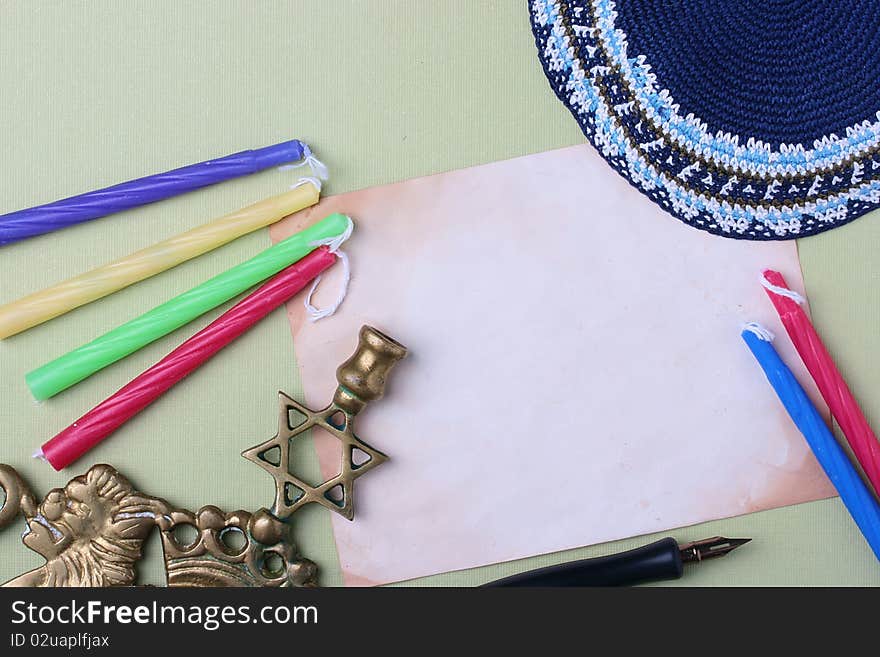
x,y
576,371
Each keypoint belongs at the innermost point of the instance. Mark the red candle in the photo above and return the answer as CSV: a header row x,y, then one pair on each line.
x,y
828,379
128,401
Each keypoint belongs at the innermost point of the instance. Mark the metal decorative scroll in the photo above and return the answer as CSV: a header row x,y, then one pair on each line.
x,y
92,531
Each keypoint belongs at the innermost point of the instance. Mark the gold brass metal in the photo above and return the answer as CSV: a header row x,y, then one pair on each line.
x,y
361,380
362,377
92,531
263,555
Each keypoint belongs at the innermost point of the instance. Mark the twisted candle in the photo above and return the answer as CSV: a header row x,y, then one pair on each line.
x,y
105,418
20,225
73,367
830,382
855,495
42,306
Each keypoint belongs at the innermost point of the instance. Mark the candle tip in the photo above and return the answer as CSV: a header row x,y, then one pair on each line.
x,y
781,291
335,242
317,167
40,455
762,332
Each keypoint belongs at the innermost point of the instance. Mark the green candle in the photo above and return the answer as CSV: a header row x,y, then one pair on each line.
x,y
73,367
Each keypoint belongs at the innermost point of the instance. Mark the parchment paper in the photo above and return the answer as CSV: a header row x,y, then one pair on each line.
x,y
552,399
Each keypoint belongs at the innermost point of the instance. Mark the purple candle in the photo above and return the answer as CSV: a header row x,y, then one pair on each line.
x,y
20,225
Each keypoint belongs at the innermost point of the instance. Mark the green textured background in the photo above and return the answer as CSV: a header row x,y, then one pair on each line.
x,y
99,92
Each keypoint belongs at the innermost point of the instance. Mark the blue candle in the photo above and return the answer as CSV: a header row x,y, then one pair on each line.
x,y
20,225
853,492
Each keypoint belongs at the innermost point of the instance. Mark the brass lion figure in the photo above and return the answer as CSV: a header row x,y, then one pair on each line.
x,y
91,532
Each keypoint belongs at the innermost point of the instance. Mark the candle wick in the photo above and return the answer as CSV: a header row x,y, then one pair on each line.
x,y
783,291
334,244
762,332
308,180
316,314
319,169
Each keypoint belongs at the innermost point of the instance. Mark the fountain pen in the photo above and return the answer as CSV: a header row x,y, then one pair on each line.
x,y
662,560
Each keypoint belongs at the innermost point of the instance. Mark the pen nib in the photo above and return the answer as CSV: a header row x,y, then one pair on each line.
x,y
717,546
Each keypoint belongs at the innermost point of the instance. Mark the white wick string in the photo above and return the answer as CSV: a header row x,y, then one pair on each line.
x,y
782,291
320,313
40,455
318,168
334,243
305,181
762,332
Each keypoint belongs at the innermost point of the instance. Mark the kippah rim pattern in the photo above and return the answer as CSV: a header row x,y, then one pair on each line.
x,y
726,184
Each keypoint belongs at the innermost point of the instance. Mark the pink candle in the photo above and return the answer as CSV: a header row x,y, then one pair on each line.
x,y
831,384
128,401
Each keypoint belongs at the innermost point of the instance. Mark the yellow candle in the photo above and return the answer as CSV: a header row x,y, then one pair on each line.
x,y
42,306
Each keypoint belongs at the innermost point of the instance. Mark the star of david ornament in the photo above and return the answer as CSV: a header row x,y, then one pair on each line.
x,y
361,380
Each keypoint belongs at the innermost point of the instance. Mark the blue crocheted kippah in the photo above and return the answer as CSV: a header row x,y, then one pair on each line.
x,y
753,119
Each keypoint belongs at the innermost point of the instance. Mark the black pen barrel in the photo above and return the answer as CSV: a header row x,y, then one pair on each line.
x,y
658,561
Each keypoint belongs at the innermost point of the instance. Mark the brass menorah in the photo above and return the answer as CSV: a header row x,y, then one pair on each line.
x,y
92,531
